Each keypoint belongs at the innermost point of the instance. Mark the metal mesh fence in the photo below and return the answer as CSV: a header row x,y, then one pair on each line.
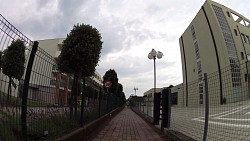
x,y
39,106
182,117
214,108
229,120
10,101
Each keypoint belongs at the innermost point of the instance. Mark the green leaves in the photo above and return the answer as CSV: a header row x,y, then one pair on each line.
x,y
111,75
116,87
13,59
80,51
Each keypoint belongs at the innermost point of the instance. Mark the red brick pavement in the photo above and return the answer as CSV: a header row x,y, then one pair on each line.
x,y
127,126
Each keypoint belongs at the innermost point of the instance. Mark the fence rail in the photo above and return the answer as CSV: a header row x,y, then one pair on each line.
x,y
37,107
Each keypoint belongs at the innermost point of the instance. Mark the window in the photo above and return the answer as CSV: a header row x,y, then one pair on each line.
x,y
248,40
53,82
248,57
242,55
235,31
201,96
193,32
201,99
200,88
243,37
228,14
54,67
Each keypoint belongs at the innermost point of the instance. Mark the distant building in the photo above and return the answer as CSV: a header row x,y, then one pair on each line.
x,y
59,84
216,41
149,100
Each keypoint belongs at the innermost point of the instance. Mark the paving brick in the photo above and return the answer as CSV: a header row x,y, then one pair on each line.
x,y
127,126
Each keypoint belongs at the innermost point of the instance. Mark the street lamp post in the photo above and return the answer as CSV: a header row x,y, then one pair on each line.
x,y
153,55
135,90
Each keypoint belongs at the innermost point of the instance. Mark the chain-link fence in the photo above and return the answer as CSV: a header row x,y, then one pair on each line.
x,y
216,107
42,104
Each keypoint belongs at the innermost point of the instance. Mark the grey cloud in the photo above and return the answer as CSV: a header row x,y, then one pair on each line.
x,y
69,8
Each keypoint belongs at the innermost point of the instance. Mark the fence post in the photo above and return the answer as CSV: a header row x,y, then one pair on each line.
x,y
156,115
206,108
140,103
83,102
166,108
26,89
107,100
99,102
147,106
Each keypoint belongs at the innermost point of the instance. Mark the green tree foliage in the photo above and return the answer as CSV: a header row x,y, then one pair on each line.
x,y
123,97
13,60
119,92
111,75
116,87
119,88
80,51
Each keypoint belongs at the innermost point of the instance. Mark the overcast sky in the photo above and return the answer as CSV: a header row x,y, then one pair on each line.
x,y
129,30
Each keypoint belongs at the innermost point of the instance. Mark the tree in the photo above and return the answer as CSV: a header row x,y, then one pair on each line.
x,y
119,90
13,62
116,88
111,75
123,97
119,93
80,54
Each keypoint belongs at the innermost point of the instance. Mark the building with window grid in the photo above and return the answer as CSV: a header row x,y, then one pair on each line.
x,y
60,81
217,43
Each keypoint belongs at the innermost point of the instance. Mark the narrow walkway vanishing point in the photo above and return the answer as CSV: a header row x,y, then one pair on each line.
x,y
127,126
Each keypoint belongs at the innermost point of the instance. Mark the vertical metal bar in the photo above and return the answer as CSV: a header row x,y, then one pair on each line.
x,y
166,107
140,103
83,102
147,105
99,105
206,108
154,76
107,99
169,103
75,94
156,112
26,89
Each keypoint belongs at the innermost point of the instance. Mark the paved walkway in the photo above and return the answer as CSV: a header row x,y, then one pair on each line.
x,y
127,126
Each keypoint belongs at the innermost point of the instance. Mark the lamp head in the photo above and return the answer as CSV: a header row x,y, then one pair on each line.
x,y
159,55
153,52
150,56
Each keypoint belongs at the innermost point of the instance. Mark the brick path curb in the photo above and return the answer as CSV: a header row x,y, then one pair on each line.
x,y
84,132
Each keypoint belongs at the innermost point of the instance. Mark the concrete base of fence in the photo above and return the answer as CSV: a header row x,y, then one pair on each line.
x,y
177,136
84,132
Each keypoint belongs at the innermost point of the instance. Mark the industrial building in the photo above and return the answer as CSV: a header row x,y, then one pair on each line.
x,y
217,43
